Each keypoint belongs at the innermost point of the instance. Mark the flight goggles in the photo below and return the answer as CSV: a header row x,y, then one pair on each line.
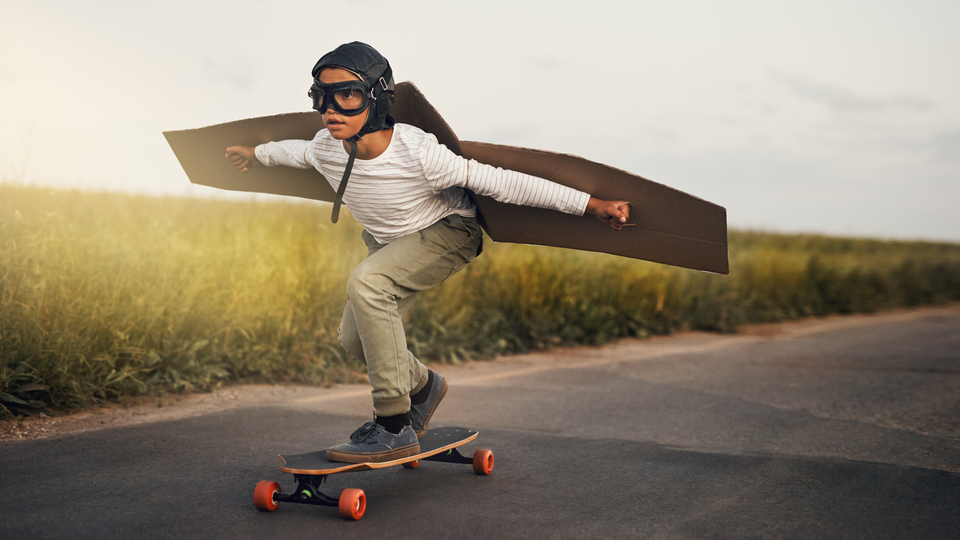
x,y
348,98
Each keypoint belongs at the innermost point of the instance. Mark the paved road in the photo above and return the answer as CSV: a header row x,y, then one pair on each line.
x,y
839,428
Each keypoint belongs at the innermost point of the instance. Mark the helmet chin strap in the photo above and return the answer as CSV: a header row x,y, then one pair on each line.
x,y
346,176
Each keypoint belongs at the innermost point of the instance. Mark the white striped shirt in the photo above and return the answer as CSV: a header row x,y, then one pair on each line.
x,y
416,181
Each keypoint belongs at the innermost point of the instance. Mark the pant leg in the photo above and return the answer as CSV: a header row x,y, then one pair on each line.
x,y
348,334
382,288
349,337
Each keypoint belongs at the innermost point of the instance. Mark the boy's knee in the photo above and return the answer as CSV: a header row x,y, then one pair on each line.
x,y
363,283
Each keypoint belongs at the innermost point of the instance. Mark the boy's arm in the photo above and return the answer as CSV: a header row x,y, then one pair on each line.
x,y
291,153
446,169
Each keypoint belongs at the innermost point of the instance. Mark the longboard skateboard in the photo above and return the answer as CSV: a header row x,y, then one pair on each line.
x,y
311,470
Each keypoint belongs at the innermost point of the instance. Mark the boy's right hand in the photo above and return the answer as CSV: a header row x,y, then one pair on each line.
x,y
242,157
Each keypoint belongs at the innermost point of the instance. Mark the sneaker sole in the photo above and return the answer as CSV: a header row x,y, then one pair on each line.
x,y
426,419
380,457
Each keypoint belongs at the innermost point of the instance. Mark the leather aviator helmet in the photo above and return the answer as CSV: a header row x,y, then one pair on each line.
x,y
376,85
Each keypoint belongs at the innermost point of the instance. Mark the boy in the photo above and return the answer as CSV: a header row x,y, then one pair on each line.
x,y
408,192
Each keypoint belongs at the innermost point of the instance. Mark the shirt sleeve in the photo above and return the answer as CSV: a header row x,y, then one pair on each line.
x,y
445,169
292,153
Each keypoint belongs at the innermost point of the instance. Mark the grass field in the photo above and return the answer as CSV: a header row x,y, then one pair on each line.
x,y
105,295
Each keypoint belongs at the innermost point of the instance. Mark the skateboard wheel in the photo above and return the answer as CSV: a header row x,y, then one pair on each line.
x,y
353,503
482,461
263,496
411,464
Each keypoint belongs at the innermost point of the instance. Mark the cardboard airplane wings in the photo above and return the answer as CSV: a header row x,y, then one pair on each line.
x,y
672,227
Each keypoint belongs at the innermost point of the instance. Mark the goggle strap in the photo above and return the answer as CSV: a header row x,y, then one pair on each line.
x,y
343,181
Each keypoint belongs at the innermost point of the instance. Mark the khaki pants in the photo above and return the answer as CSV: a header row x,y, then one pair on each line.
x,y
380,291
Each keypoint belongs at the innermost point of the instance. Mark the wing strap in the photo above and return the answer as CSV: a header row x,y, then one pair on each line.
x,y
343,181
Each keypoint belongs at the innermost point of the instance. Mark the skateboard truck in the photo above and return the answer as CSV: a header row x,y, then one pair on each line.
x,y
308,492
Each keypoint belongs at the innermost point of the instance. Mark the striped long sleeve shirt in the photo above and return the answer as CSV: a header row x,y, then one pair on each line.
x,y
416,181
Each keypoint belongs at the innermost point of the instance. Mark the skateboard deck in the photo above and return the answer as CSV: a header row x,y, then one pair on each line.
x,y
670,226
311,470
433,442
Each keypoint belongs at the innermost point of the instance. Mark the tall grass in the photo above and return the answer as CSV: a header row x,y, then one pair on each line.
x,y
107,295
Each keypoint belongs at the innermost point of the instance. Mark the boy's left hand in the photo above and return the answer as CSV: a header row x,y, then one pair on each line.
x,y
616,213
243,157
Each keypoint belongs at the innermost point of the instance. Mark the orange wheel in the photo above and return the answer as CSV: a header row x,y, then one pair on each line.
x,y
411,464
353,503
482,461
263,496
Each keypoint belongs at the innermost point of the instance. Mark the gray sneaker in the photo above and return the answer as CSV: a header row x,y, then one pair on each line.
x,y
420,414
374,444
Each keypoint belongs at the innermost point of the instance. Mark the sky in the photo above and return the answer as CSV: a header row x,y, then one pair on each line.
x,y
836,117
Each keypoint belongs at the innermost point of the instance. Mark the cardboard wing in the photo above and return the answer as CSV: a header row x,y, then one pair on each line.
x,y
672,227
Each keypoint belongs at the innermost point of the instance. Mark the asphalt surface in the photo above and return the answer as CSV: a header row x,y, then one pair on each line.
x,y
841,428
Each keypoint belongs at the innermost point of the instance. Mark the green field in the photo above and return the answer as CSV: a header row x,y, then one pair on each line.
x,y
105,295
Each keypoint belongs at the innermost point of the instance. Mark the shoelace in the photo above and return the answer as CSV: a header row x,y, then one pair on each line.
x,y
365,432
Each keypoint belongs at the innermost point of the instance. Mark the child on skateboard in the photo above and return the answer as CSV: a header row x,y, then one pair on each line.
x,y
408,192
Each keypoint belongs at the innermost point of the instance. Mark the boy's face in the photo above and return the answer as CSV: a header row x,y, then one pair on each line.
x,y
340,126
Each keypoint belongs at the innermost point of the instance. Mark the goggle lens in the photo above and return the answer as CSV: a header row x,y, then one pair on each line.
x,y
349,99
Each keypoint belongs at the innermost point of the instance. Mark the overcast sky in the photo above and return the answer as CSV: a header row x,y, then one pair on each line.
x,y
840,117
